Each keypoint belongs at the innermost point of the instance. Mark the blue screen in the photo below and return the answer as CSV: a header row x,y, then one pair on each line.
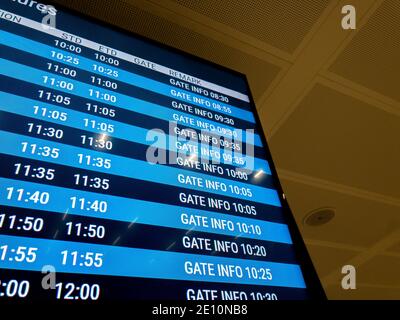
x,y
131,171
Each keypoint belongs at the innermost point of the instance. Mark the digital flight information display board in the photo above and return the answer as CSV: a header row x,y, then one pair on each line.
x,y
130,170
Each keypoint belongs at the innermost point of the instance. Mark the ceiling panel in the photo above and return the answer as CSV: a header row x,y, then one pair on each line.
x,y
280,23
372,58
327,260
338,138
395,249
381,270
357,222
260,73
363,292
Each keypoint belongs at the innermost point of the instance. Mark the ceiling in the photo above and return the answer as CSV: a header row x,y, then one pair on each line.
x,y
329,101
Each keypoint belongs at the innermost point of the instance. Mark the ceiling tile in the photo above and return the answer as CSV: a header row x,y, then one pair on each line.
x,y
395,248
357,222
381,270
327,260
372,57
282,24
336,292
335,137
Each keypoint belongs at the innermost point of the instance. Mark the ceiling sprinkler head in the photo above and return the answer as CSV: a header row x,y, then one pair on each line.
x,y
319,217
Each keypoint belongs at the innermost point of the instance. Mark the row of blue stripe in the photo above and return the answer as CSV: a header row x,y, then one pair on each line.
x,y
43,50
132,168
140,211
133,262
24,106
35,76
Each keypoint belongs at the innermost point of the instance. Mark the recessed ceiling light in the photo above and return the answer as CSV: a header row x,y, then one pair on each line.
x,y
319,217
